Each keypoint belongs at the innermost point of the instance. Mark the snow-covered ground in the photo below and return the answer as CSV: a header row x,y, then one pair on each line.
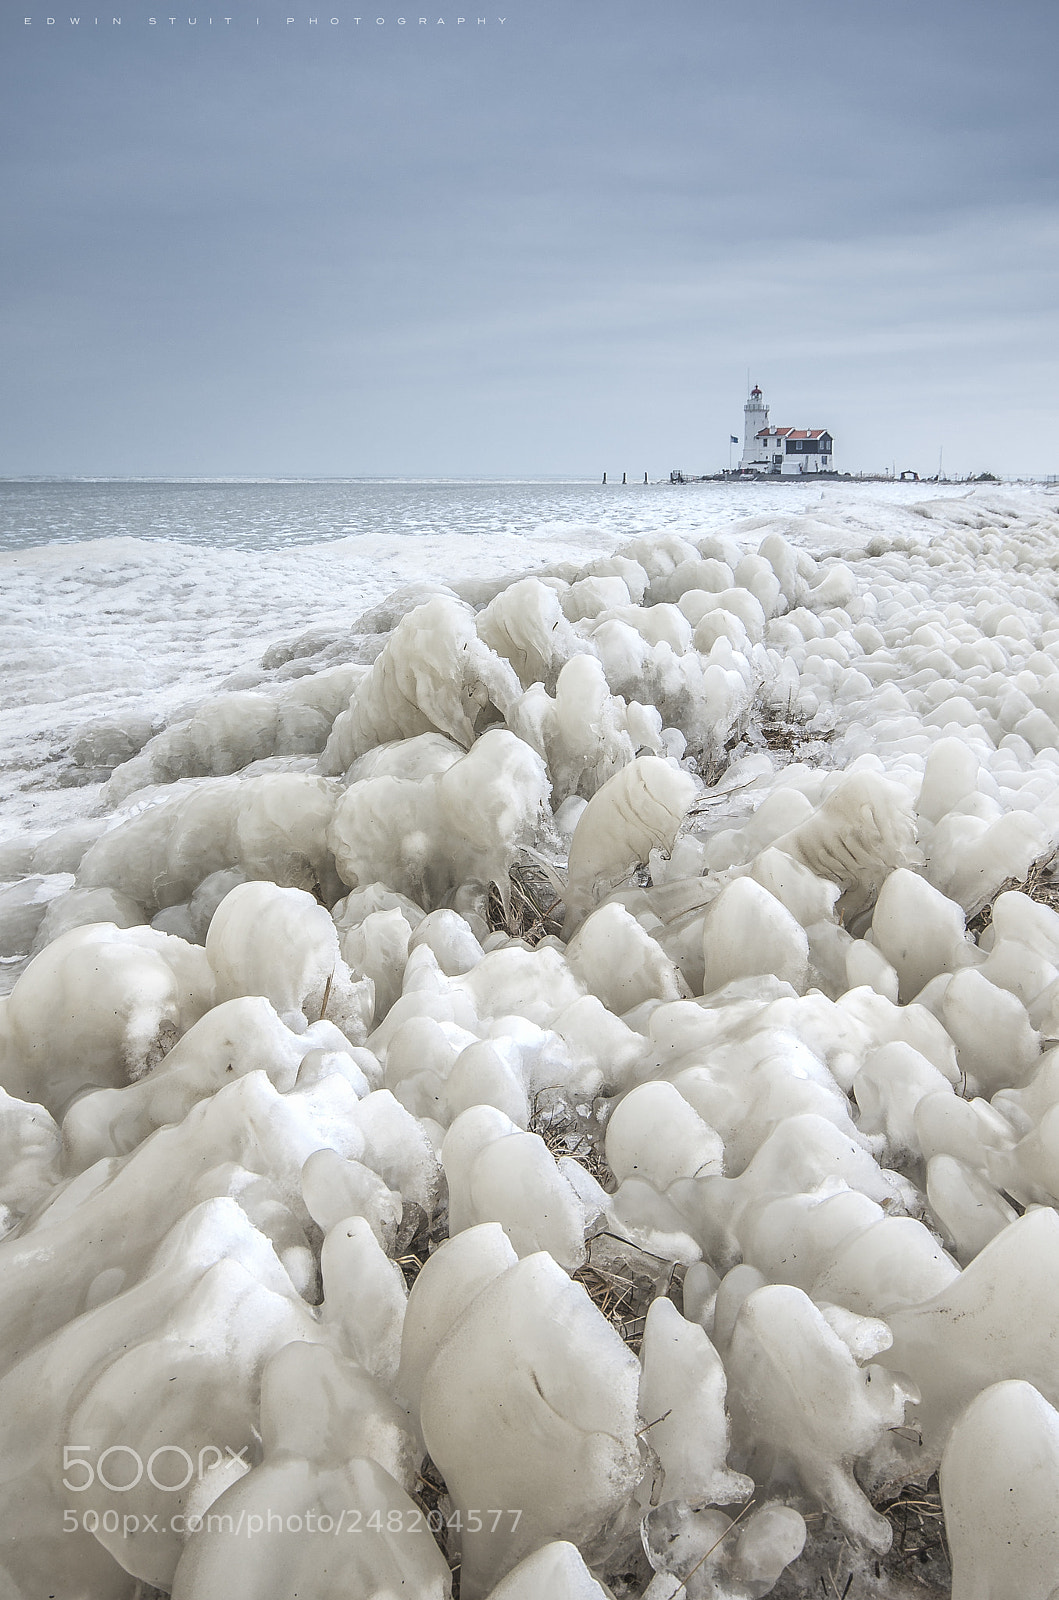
x,y
650,961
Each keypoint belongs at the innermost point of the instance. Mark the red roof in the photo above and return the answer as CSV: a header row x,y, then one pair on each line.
x,y
792,433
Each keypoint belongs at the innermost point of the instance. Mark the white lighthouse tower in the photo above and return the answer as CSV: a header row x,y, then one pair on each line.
x,y
755,450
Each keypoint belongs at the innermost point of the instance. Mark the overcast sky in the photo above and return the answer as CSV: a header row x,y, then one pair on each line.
x,y
551,245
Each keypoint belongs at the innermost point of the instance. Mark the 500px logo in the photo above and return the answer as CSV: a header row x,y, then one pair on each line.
x,y
161,1469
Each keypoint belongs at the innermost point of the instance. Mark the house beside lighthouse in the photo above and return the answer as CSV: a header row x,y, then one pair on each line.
x,y
781,452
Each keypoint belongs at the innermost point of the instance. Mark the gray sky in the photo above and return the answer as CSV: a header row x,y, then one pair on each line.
x,y
554,245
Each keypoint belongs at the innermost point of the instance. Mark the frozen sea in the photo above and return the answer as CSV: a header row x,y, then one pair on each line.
x,y
138,597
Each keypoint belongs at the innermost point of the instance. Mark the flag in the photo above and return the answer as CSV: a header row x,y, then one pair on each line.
x,y
733,438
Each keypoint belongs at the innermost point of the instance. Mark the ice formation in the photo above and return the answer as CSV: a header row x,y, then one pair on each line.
x,y
1003,1526
566,1079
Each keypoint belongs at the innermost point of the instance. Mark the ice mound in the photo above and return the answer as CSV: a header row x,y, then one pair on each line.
x,y
497,1173
434,675
802,1401
281,944
391,1552
549,1428
586,1104
954,1345
1003,1529
425,839
638,810
99,1006
585,734
526,625
919,931
862,831
709,1554
682,1393
746,932
227,733
555,1569
236,1037
271,827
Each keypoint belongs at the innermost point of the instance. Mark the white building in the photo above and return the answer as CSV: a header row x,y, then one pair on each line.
x,y
782,452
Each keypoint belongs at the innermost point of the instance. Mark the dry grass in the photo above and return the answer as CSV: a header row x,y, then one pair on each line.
x,y
622,1280
432,1496
418,1237
533,909
1041,883
572,1131
919,1550
787,729
782,729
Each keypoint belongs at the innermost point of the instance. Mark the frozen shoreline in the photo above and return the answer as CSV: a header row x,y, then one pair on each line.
x,y
780,1055
143,623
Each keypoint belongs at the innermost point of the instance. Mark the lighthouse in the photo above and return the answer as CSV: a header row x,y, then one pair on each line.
x,y
782,452
755,450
